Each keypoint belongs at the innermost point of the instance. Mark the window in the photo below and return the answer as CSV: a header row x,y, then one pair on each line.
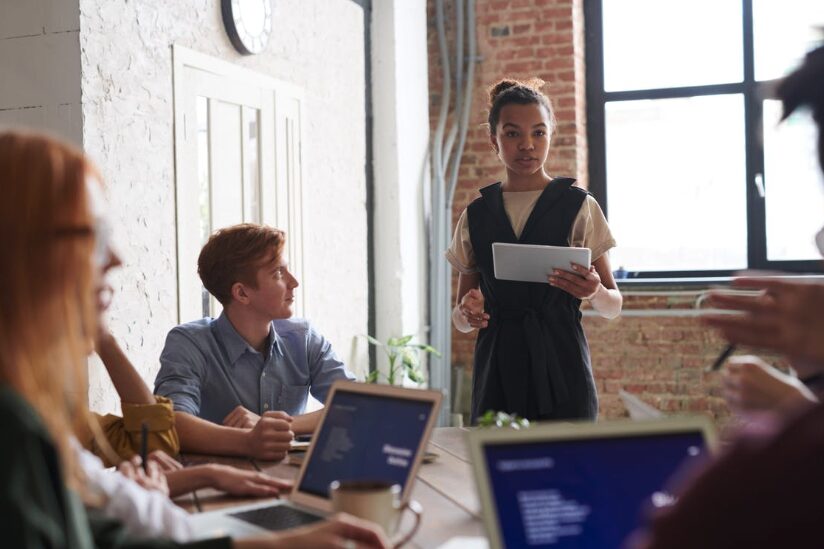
x,y
687,158
237,159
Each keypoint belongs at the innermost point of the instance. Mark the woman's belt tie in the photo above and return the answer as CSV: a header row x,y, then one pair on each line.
x,y
545,372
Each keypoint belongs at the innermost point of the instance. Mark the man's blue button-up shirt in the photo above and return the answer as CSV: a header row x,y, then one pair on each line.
x,y
207,368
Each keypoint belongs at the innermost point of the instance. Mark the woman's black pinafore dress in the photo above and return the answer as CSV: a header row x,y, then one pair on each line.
x,y
533,358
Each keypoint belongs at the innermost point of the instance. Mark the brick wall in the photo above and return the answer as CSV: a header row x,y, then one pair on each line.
x,y
659,354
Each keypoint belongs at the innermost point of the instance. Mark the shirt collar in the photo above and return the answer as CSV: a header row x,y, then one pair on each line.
x,y
235,346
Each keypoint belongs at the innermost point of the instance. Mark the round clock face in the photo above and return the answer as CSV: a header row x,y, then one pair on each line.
x,y
248,23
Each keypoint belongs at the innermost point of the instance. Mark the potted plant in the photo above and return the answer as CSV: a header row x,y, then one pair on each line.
x,y
502,419
404,359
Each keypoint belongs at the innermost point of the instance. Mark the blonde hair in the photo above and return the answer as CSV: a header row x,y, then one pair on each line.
x,y
47,303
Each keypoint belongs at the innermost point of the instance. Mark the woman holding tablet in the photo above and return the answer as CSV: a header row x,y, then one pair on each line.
x,y
531,355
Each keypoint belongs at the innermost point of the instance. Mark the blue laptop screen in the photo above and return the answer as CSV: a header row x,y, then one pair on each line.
x,y
366,437
583,493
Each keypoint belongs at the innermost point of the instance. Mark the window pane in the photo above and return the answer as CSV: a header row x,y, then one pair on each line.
x,y
204,195
784,32
794,185
676,183
654,44
251,166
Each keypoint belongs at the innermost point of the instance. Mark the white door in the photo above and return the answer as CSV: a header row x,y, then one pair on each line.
x,y
237,151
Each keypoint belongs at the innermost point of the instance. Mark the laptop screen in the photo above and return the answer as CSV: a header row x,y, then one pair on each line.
x,y
583,492
366,437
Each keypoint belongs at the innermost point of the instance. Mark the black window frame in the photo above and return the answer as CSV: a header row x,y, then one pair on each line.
x,y
754,93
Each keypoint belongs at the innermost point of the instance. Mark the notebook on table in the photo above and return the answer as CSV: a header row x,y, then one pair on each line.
x,y
366,432
579,485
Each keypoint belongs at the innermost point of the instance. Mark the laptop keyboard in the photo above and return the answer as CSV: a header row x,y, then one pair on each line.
x,y
277,517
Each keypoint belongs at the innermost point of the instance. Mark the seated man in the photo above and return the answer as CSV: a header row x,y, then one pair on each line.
x,y
228,376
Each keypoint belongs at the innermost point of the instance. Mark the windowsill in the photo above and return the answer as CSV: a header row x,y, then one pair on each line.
x,y
686,282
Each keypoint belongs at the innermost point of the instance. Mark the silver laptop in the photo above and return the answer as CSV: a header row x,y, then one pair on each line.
x,y
579,484
367,432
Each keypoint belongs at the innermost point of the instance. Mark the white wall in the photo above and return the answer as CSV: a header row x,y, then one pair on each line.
x,y
401,137
126,60
40,66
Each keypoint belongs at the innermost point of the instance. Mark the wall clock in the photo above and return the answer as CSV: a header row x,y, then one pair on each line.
x,y
248,24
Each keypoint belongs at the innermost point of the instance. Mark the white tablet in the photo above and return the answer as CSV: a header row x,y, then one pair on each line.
x,y
532,263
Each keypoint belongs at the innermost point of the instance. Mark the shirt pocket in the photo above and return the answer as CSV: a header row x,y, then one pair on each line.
x,y
293,398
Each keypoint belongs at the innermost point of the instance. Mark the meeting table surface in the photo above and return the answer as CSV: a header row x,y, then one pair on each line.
x,y
445,488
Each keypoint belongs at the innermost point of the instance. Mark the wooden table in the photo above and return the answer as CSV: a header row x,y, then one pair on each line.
x,y
445,489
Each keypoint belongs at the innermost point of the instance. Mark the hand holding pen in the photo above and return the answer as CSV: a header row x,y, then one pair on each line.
x,y
783,316
140,469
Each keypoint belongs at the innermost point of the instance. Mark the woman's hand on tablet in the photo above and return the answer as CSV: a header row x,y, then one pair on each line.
x,y
581,282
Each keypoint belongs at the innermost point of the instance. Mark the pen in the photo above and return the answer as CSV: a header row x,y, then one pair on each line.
x,y
144,444
725,354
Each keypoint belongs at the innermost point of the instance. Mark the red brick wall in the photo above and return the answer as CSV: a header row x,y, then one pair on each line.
x,y
661,358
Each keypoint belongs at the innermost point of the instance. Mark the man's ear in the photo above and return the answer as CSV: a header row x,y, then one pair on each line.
x,y
239,293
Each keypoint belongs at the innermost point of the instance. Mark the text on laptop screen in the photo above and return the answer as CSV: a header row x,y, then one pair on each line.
x,y
366,437
583,493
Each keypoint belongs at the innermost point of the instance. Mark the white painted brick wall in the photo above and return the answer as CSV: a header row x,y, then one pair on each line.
x,y
40,64
125,55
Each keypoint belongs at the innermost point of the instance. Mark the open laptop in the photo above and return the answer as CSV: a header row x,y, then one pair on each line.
x,y
367,432
579,484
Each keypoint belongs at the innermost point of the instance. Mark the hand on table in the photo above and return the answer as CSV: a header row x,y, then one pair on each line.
x,y
471,309
152,479
241,417
581,282
785,317
163,460
338,531
239,482
752,385
269,439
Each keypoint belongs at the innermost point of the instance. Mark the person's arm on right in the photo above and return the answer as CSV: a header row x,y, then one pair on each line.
x,y
752,385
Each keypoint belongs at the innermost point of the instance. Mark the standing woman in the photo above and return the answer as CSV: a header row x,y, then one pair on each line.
x,y
531,355
54,245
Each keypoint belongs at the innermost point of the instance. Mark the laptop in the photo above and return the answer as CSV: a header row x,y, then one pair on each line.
x,y
579,484
366,432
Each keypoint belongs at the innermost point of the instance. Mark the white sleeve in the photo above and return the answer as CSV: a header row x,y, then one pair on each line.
x,y
144,513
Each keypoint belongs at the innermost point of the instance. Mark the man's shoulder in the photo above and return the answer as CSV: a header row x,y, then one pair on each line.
x,y
293,325
195,329
196,334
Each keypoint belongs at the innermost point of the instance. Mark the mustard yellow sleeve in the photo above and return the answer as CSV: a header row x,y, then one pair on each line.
x,y
123,433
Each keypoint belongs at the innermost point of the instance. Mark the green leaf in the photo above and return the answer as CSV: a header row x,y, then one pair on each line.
x,y
502,419
404,340
372,377
429,349
415,375
373,341
409,359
